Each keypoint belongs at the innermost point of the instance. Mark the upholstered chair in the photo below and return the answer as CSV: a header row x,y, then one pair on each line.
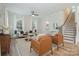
x,y
58,40
42,44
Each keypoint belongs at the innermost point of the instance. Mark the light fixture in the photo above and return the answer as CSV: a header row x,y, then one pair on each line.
x,y
33,15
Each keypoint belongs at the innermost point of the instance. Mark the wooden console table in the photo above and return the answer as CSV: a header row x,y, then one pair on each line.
x,y
5,43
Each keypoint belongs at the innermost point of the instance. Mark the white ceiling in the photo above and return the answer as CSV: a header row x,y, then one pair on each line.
x,y
43,9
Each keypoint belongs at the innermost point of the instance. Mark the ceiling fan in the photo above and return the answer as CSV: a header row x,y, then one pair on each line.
x,y
34,14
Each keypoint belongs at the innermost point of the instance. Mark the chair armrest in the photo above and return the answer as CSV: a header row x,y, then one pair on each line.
x,y
58,38
35,44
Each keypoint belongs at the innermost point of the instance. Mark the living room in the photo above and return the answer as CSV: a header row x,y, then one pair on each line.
x,y
25,22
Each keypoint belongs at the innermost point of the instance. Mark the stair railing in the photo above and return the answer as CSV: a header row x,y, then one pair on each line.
x,y
60,28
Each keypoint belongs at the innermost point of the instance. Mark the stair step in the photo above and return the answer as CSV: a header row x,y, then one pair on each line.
x,y
70,31
74,29
69,34
69,28
69,25
72,24
68,39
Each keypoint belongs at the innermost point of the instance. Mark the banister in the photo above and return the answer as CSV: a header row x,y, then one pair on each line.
x,y
67,18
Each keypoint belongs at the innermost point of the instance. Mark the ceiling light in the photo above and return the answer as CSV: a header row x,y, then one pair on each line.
x,y
33,15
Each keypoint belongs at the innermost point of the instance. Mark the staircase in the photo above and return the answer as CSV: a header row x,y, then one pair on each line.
x,y
69,28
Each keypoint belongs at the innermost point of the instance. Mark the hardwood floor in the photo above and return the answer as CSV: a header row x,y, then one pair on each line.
x,y
20,47
0,47
67,50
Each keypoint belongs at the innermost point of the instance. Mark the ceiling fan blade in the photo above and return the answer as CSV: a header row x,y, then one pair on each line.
x,y
32,12
36,14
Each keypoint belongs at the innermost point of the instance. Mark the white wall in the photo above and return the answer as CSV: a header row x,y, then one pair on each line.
x,y
13,18
27,23
4,18
57,17
2,15
77,25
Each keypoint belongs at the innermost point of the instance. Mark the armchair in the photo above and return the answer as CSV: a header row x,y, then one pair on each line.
x,y
58,39
42,45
